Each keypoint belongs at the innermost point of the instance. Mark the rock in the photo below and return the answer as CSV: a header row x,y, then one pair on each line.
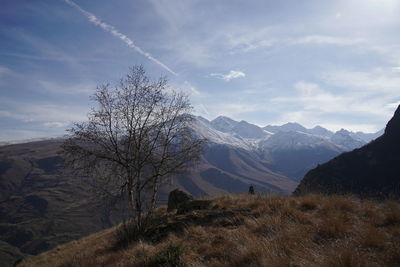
x,y
192,205
176,198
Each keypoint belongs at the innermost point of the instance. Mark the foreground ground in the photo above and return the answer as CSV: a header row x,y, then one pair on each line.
x,y
251,230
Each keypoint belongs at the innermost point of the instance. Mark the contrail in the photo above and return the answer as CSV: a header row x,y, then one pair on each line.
x,y
111,29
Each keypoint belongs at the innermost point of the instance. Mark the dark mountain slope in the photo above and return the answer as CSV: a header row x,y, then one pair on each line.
x,y
373,170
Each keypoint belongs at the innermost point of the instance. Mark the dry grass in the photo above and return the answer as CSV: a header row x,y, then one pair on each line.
x,y
251,230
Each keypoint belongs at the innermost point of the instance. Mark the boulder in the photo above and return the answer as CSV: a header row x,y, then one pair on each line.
x,y
176,198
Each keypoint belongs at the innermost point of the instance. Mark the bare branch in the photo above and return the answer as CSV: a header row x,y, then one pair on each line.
x,y
135,138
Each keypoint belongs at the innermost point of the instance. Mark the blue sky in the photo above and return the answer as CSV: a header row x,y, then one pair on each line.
x,y
329,63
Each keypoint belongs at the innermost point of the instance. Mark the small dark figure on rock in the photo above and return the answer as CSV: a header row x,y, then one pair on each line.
x,y
251,190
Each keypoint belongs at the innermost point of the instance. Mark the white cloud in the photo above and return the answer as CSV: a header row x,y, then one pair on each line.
x,y
4,70
325,40
80,88
396,69
393,105
312,104
193,90
379,81
232,110
111,29
233,74
55,124
245,40
306,88
201,110
43,112
176,13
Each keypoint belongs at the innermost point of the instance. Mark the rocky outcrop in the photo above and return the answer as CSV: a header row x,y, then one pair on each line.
x,y
176,198
184,203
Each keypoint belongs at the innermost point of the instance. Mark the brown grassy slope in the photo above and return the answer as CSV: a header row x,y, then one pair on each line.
x,y
245,230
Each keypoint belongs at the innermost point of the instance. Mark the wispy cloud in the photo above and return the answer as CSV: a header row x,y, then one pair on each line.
x,y
233,74
27,112
233,110
378,81
311,104
266,38
325,40
55,124
52,87
111,29
4,70
176,13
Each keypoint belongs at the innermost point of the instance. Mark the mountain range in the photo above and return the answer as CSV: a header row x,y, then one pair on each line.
x,y
288,150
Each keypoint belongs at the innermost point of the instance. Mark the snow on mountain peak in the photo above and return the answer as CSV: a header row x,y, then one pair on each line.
x,y
346,140
248,130
290,126
224,130
223,124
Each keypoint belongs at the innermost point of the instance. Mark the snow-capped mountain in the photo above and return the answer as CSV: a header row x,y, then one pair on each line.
x,y
295,140
204,129
224,130
241,129
288,127
290,149
346,140
321,131
367,137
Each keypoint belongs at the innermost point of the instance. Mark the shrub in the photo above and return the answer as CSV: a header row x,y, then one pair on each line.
x,y
171,256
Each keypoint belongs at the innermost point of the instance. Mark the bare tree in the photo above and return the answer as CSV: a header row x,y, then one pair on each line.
x,y
134,139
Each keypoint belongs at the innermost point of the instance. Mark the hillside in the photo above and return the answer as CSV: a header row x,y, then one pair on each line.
x,y
372,170
251,230
40,205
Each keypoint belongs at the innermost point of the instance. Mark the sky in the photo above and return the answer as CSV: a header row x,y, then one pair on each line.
x,y
329,63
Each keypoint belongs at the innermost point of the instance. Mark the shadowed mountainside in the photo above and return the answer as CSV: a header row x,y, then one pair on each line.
x,y
372,170
40,206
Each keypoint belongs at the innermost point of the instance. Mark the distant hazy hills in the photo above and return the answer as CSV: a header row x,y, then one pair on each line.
x,y
372,170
